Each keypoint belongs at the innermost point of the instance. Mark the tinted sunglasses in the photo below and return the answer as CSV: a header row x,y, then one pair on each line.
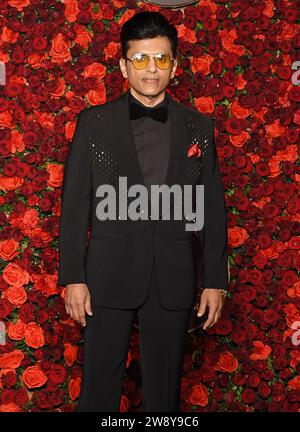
x,y
141,61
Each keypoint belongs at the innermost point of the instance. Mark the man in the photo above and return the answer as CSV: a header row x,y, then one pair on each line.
x,y
141,266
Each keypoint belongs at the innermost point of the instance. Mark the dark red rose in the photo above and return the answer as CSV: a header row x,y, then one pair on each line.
x,y
238,336
57,374
56,399
253,380
217,394
239,379
7,396
26,312
248,396
224,380
21,396
42,316
51,387
9,379
267,375
5,308
271,316
223,327
42,399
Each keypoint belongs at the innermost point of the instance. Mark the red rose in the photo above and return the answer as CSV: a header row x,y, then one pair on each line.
x,y
42,399
248,396
5,308
8,396
198,395
57,374
9,379
21,396
264,390
253,380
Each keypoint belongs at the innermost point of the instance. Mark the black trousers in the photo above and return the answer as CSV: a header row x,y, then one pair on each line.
x,y
106,342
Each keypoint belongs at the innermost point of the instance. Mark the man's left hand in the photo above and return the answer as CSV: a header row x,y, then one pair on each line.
x,y
212,298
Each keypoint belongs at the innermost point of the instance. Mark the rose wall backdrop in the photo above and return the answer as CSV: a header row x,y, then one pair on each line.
x,y
237,64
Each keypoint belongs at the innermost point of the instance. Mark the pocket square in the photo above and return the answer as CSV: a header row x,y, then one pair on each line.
x,y
194,150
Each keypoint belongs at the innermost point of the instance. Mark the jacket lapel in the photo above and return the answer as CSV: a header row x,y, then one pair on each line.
x,y
178,144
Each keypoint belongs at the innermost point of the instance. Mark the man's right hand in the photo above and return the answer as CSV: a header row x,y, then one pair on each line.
x,y
78,301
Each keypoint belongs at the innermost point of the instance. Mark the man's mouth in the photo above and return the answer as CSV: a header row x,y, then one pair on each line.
x,y
150,80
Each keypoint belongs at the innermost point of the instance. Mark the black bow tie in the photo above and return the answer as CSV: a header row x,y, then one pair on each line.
x,y
159,113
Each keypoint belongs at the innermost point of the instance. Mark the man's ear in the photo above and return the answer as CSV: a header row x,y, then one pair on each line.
x,y
174,69
123,67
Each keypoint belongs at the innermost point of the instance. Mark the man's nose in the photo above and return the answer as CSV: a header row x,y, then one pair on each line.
x,y
152,66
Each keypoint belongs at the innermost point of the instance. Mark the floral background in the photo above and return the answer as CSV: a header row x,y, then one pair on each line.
x,y
236,64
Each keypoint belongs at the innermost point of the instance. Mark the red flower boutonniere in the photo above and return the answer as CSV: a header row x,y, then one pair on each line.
x,y
194,150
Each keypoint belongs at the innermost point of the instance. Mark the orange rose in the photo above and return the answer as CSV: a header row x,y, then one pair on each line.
x,y
11,360
35,60
74,387
55,175
126,16
70,129
239,111
19,4
204,104
83,37
201,64
97,97
294,383
198,395
16,330
15,275
34,335
294,291
186,34
6,121
275,129
10,183
240,139
8,35
261,351
95,70
227,362
237,236
30,219
34,377
71,10
60,50
8,249
111,50
228,38
70,353
274,250
46,284
16,295
10,407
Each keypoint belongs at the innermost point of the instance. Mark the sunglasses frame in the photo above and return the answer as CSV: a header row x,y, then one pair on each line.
x,y
150,57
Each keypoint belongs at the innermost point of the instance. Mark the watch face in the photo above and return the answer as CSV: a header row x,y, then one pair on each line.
x,y
171,3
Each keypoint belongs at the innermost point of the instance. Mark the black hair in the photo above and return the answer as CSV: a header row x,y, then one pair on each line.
x,y
144,25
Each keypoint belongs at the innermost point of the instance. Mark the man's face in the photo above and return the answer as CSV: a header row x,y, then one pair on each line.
x,y
150,81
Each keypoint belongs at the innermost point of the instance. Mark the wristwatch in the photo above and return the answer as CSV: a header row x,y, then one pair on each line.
x,y
224,292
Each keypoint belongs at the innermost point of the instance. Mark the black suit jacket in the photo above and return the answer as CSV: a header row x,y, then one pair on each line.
x,y
117,260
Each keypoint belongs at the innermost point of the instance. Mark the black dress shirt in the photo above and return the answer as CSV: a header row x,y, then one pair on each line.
x,y
151,138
